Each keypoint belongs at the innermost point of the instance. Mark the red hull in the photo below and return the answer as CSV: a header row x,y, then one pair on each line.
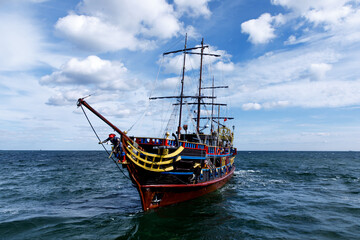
x,y
154,196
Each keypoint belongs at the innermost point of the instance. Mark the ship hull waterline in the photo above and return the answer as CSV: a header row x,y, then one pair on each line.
x,y
170,194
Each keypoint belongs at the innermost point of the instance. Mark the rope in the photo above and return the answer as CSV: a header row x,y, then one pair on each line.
x,y
110,155
151,92
193,122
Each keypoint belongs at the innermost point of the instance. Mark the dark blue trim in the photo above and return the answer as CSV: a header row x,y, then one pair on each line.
x,y
192,157
178,173
219,155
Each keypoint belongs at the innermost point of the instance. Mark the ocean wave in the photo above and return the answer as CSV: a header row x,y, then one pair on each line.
x,y
273,195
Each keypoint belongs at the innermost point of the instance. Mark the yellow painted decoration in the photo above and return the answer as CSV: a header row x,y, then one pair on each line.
x,y
223,159
177,152
152,162
232,160
226,134
170,168
197,165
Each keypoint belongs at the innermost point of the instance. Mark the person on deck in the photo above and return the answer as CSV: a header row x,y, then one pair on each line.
x,y
114,141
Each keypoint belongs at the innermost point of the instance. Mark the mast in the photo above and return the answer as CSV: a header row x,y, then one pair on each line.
x,y
198,112
218,128
181,97
212,102
182,91
212,106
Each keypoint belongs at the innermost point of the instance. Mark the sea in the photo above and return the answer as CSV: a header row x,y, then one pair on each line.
x,y
273,195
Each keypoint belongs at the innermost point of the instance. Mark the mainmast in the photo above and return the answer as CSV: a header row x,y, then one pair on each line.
x,y
182,90
212,106
199,100
181,97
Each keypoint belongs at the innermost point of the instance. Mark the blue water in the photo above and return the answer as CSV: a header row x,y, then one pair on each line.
x,y
273,195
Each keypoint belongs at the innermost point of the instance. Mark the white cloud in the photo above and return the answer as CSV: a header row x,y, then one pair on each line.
x,y
112,25
174,63
103,74
305,5
302,94
261,30
92,75
24,41
322,44
335,16
152,18
192,32
283,66
328,16
227,67
320,134
251,106
193,8
318,70
114,91
285,77
67,97
330,30
92,33
264,105
327,12
20,42
118,111
169,84
291,40
275,104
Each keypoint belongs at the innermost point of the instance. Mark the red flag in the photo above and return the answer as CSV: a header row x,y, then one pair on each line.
x,y
225,119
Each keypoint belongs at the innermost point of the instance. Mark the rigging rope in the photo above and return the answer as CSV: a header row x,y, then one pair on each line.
x,y
166,109
151,92
110,155
193,122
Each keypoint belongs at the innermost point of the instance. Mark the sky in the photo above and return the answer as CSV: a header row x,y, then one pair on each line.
x,y
292,68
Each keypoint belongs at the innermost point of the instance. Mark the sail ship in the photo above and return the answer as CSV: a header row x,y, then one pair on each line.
x,y
183,166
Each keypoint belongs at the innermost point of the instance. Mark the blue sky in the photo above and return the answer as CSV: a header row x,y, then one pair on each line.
x,y
292,68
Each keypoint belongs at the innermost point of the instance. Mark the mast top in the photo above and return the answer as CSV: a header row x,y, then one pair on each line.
x,y
199,97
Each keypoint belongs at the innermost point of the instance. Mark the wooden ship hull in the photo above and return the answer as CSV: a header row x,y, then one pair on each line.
x,y
184,166
182,181
154,196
